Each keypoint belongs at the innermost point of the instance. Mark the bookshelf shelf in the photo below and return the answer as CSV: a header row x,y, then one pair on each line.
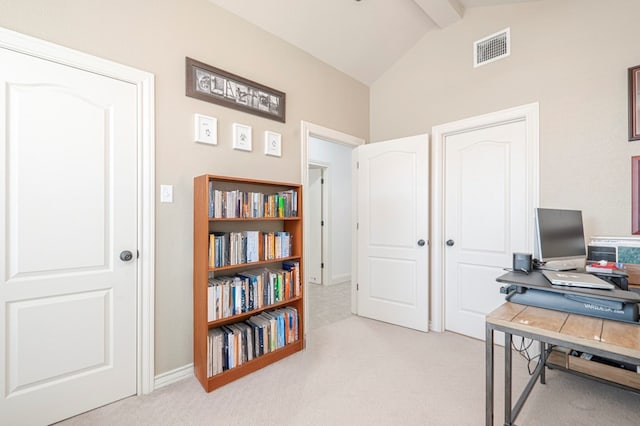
x,y
253,264
245,315
254,365
240,323
253,219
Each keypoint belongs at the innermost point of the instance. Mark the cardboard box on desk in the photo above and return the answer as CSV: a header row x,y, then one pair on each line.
x,y
625,250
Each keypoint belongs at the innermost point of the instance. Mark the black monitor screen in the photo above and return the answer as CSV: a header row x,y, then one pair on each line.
x,y
560,234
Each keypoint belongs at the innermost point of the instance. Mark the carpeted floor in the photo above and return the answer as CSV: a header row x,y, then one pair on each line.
x,y
328,304
362,372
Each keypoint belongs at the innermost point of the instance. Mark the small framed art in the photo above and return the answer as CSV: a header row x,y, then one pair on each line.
x,y
206,129
241,137
272,144
634,103
635,195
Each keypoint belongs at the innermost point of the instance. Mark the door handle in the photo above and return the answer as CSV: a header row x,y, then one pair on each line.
x,y
421,242
126,255
450,243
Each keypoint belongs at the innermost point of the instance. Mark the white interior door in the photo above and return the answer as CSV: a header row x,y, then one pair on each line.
x,y
392,237
68,209
313,262
487,210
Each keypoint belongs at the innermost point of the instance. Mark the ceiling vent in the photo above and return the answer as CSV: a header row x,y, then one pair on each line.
x,y
491,48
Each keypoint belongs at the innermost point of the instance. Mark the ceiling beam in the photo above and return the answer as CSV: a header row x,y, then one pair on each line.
x,y
442,12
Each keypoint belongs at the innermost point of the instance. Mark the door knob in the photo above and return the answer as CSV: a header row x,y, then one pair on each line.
x,y
421,242
450,243
126,255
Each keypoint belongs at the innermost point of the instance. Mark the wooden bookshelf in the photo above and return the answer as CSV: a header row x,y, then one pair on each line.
x,y
203,226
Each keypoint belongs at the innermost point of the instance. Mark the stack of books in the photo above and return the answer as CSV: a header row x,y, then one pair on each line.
x,y
604,267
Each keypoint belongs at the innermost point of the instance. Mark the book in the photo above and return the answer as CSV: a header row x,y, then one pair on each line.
x,y
227,348
211,303
294,268
212,251
215,351
253,246
263,326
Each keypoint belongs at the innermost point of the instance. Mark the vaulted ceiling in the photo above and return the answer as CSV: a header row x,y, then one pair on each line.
x,y
361,38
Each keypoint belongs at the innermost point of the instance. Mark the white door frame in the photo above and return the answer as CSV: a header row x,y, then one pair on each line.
x,y
307,130
144,83
530,114
325,272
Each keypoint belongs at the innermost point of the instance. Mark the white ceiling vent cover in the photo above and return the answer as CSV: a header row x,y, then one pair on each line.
x,y
491,48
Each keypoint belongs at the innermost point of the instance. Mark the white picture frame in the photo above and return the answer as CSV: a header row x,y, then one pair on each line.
x,y
241,137
272,143
205,129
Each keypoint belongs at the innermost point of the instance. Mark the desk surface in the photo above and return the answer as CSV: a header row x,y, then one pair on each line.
x,y
607,335
536,280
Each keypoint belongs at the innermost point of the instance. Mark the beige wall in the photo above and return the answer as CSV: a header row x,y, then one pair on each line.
x,y
156,36
571,56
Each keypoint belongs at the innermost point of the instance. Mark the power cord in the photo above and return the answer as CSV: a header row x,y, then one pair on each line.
x,y
523,350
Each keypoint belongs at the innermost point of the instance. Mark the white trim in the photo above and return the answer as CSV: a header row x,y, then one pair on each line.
x,y
530,114
144,82
146,230
327,253
307,130
173,376
354,230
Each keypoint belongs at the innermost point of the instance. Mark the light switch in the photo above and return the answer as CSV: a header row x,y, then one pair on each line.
x,y
166,193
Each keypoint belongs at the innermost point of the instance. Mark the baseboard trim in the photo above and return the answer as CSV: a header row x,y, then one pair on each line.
x,y
339,279
173,376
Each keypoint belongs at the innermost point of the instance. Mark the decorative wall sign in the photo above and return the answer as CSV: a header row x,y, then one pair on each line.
x,y
272,143
241,137
220,87
634,103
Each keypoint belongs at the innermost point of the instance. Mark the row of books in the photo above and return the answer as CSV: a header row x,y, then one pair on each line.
x,y
235,248
232,345
240,204
251,290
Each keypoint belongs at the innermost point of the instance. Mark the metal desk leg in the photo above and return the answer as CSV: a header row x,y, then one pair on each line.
x,y
507,379
489,374
543,360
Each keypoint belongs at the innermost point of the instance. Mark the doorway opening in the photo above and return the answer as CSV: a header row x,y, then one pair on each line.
x,y
327,179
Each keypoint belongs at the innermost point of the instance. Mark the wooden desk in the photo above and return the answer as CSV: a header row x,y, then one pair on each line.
x,y
611,339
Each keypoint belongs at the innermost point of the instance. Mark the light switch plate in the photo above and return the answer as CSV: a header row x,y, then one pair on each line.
x,y
166,193
206,129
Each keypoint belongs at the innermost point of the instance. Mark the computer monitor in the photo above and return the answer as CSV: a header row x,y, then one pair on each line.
x,y
559,235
